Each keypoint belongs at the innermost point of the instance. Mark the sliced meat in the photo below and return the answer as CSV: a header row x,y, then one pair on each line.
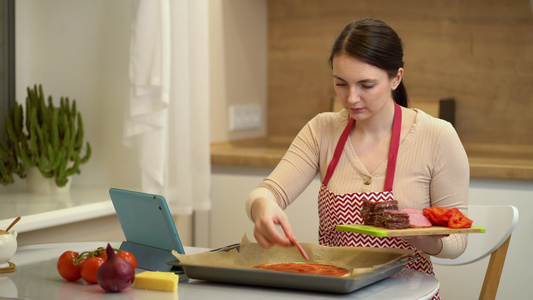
x,y
379,220
395,219
419,221
397,225
385,205
367,212
410,210
417,218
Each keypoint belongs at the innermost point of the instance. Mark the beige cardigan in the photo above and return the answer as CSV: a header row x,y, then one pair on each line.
x,y
432,169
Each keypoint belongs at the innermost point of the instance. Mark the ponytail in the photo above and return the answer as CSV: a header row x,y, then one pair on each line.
x,y
400,95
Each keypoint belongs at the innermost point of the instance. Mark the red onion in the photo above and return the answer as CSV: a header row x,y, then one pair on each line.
x,y
116,273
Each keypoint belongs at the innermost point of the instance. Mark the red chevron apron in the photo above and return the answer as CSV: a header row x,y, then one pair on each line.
x,y
346,209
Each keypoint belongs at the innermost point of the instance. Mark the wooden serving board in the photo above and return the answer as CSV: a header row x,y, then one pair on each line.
x,y
384,232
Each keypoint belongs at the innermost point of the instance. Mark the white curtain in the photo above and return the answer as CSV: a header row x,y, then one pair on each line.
x,y
167,122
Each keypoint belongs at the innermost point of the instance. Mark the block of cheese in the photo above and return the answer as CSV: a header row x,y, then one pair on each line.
x,y
158,281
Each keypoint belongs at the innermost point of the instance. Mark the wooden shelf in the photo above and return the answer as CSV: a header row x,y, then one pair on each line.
x,y
486,161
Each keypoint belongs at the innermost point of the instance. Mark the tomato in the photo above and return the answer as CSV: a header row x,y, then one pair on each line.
x,y
66,266
90,267
128,256
459,221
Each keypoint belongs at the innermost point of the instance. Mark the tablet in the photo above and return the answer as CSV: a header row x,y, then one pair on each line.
x,y
148,226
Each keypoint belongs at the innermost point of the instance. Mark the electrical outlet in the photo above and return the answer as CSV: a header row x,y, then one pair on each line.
x,y
247,116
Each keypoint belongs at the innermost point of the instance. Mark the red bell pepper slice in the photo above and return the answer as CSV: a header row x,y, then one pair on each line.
x,y
450,213
432,217
459,221
440,216
444,214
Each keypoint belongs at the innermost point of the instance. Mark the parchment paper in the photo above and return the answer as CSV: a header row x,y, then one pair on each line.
x,y
358,260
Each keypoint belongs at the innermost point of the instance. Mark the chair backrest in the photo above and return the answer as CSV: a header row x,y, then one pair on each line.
x,y
499,222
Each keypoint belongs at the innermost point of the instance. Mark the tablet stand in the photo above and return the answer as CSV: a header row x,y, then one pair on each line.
x,y
150,258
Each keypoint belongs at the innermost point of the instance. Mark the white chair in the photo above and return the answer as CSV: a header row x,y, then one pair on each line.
x,y
499,222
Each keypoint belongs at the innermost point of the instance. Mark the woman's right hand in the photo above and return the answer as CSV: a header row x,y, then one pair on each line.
x,y
267,215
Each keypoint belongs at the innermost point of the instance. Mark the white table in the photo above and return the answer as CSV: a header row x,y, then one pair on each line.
x,y
36,277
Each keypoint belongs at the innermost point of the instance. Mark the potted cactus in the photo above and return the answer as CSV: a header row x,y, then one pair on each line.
x,y
46,138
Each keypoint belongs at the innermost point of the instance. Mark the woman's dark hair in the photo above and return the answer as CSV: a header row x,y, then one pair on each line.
x,y
376,43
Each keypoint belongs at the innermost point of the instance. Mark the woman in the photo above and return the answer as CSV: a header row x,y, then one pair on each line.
x,y
375,146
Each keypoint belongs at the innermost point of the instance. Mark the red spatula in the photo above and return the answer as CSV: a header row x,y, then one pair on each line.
x,y
302,251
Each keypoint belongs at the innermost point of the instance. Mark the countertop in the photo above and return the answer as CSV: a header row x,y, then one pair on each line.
x,y
486,160
36,277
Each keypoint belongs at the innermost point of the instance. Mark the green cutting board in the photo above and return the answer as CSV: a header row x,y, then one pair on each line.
x,y
384,232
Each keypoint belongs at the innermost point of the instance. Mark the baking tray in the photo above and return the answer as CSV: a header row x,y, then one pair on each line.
x,y
322,283
384,232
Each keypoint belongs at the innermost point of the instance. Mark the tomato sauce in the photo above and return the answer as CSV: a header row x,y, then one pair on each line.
x,y
305,268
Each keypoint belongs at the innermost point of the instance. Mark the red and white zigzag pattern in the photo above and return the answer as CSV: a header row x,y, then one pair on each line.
x,y
346,209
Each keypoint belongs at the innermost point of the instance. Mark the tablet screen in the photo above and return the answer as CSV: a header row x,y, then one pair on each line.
x,y
146,219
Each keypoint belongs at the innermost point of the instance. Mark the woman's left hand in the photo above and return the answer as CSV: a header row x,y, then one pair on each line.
x,y
431,244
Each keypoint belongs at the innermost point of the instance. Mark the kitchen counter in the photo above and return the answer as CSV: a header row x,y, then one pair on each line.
x,y
486,161
262,152
36,277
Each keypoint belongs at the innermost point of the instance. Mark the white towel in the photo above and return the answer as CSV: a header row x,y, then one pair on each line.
x,y
149,67
149,77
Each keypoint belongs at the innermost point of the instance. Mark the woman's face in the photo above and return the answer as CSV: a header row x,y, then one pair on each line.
x,y
363,89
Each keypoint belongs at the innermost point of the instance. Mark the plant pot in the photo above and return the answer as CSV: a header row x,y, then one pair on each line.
x,y
38,184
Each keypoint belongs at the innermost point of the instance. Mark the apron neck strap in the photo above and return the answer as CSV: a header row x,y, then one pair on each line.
x,y
338,151
393,150
394,145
